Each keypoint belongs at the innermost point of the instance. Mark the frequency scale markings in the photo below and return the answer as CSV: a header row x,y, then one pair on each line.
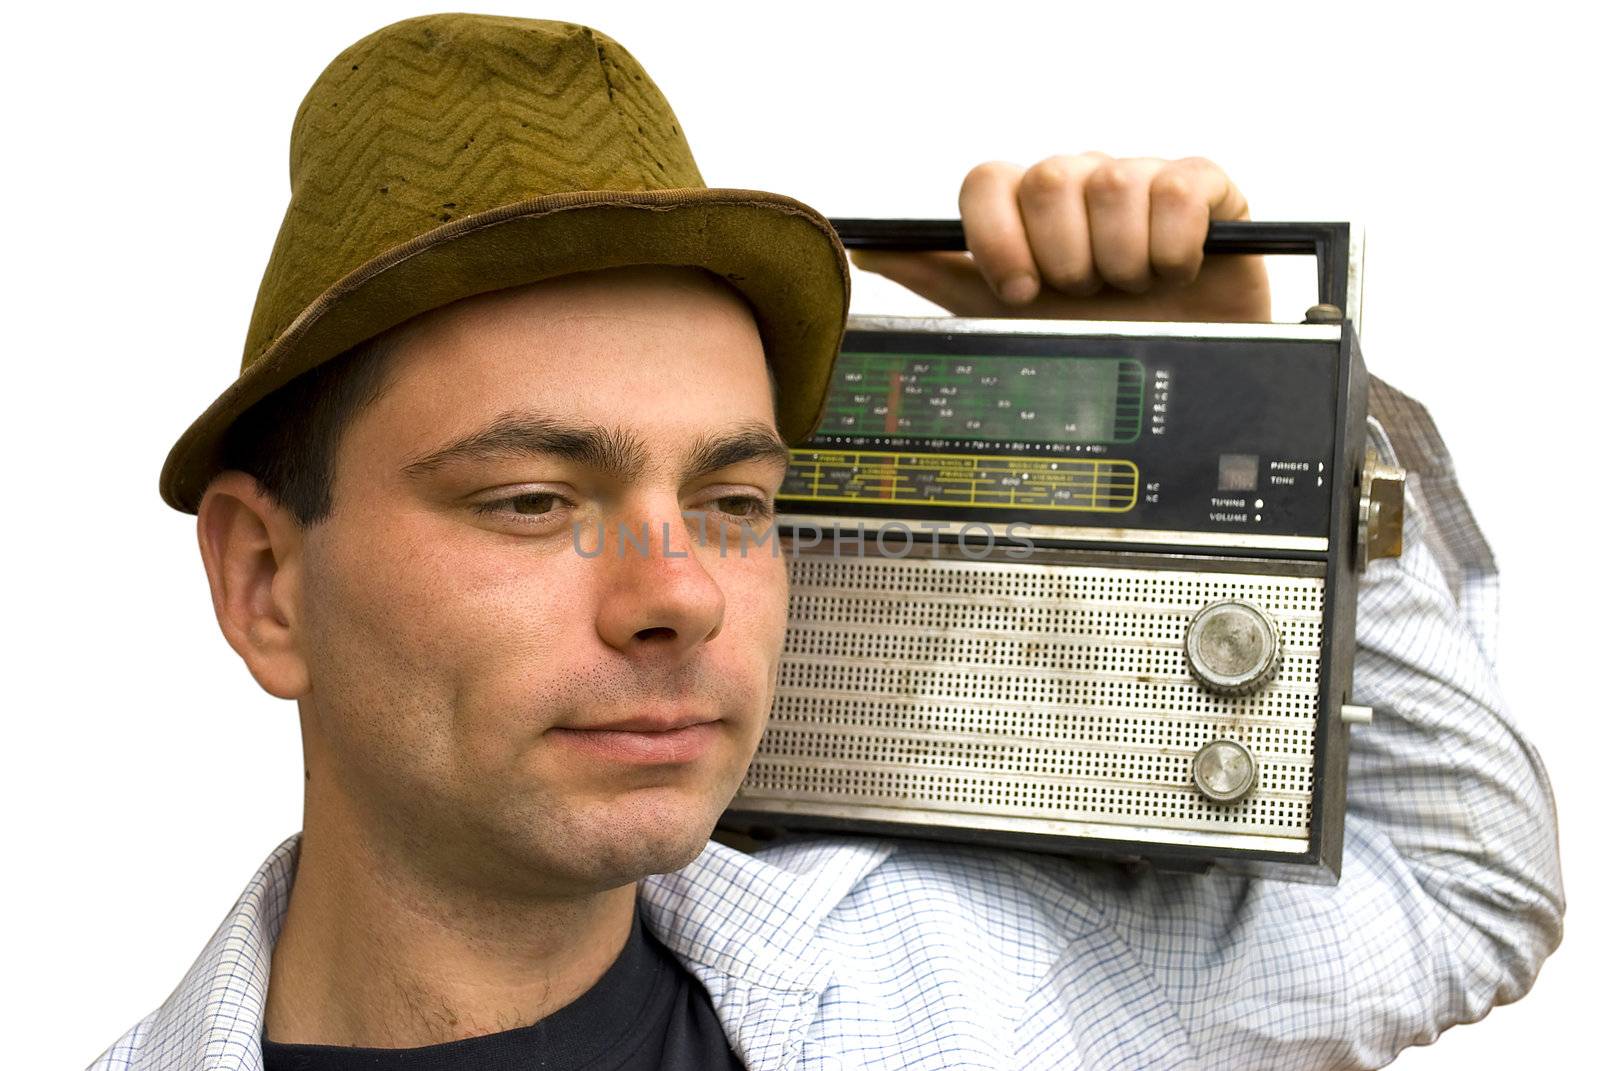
x,y
1099,485
1059,399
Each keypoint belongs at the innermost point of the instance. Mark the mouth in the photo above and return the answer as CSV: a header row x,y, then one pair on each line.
x,y
642,740
648,723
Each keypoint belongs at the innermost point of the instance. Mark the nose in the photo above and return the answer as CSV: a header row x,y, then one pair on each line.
x,y
658,599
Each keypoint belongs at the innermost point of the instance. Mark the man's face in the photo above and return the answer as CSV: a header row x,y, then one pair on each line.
x,y
463,653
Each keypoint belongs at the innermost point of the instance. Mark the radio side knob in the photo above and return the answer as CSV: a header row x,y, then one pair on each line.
x,y
1232,648
1223,771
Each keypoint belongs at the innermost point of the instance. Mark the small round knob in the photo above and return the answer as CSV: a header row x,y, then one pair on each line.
x,y
1223,771
1231,647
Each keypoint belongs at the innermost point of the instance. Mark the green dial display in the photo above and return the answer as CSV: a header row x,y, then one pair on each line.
x,y
1018,399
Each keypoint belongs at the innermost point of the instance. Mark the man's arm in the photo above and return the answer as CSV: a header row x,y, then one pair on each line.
x,y
1451,894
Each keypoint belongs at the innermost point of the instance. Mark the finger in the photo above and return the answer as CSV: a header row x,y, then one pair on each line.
x,y
995,234
1117,196
1050,194
1185,196
950,280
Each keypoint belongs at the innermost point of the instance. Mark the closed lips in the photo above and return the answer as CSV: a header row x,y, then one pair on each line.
x,y
643,725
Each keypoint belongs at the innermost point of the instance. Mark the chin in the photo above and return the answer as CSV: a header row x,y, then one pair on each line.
x,y
646,835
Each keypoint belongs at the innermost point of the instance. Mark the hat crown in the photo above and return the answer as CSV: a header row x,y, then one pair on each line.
x,y
444,116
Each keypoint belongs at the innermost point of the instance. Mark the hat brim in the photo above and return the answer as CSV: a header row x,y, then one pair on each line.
x,y
780,254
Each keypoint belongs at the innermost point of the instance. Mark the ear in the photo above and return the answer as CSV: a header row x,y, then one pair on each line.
x,y
252,549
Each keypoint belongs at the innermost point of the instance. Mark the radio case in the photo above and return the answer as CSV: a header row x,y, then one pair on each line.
x,y
1080,587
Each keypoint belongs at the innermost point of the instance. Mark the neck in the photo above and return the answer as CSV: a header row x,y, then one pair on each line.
x,y
377,954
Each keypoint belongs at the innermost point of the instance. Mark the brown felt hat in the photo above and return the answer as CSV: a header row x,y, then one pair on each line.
x,y
450,155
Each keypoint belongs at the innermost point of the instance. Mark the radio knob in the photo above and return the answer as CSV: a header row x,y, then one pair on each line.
x,y
1223,771
1231,647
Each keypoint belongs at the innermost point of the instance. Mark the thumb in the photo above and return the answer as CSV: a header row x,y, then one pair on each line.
x,y
949,279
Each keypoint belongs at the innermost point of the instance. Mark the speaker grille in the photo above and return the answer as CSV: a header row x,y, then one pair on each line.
x,y
1024,695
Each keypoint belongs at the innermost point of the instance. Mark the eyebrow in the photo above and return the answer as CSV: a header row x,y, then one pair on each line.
x,y
747,442
615,452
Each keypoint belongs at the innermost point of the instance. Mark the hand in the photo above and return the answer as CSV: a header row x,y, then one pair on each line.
x,y
1090,238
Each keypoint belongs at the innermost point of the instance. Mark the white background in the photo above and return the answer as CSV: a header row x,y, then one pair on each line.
x,y
147,175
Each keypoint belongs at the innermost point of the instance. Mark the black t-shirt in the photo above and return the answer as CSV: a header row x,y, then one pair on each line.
x,y
646,1012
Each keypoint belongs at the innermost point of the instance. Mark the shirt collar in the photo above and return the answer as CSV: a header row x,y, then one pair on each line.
x,y
746,926
213,1019
757,917
751,929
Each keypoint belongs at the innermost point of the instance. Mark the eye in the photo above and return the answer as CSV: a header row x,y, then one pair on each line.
x,y
527,508
745,507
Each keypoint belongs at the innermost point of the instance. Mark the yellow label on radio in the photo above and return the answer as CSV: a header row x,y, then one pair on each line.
x,y
998,482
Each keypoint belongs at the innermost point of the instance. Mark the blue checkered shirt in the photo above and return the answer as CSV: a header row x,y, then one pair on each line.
x,y
837,953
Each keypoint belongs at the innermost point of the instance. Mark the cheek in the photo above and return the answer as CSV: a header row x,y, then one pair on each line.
x,y
425,646
756,588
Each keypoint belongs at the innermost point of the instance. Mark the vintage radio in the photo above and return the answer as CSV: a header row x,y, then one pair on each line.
x,y
1081,587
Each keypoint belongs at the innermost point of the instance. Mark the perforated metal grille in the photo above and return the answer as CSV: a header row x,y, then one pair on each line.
x,y
1030,691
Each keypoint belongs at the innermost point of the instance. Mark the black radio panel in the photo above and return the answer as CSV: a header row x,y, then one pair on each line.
x,y
1193,435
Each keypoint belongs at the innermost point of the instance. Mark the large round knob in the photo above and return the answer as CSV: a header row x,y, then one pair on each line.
x,y
1231,647
1223,771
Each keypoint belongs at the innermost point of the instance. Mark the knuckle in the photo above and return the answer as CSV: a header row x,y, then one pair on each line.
x,y
1112,179
1053,176
986,175
1194,164
1172,185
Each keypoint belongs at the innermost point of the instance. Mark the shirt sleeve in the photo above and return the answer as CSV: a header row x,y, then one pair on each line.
x,y
1450,896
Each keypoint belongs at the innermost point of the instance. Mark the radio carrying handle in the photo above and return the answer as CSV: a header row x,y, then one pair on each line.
x,y
1328,242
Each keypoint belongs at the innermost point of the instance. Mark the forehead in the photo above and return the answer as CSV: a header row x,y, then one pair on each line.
x,y
667,350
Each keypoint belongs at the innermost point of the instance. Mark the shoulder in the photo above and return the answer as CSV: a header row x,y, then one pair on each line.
x,y
1011,910
125,1051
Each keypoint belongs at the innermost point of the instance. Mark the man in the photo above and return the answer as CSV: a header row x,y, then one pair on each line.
x,y
503,306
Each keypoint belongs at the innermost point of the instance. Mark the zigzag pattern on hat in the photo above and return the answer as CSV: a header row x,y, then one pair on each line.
x,y
444,116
